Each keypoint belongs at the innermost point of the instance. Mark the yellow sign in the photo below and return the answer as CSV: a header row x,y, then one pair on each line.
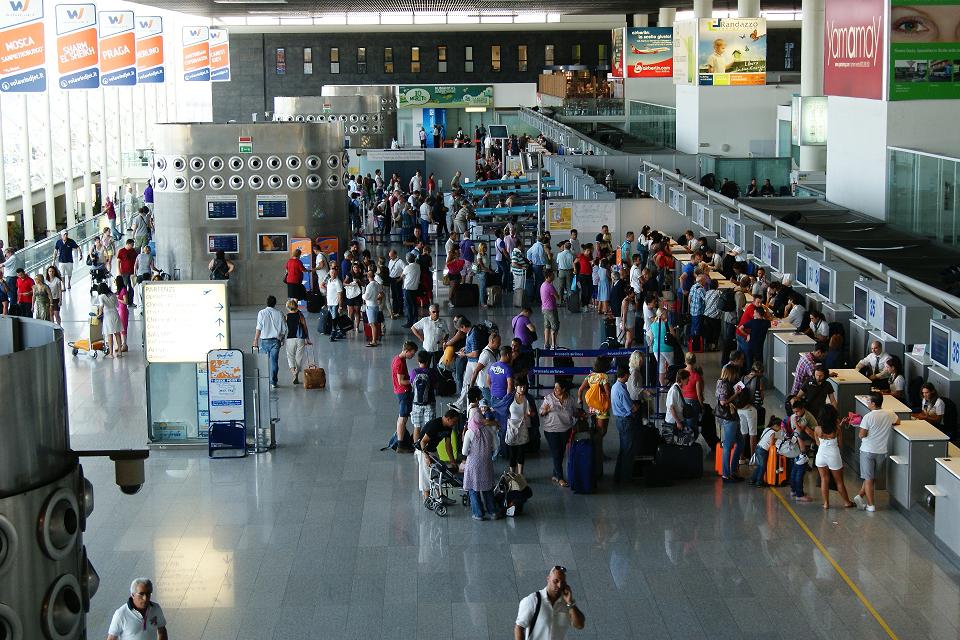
x,y
185,320
559,217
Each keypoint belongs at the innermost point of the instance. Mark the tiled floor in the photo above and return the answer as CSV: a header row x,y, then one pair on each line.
x,y
325,536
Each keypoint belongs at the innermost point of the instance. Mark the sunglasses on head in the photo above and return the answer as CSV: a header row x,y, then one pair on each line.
x,y
559,567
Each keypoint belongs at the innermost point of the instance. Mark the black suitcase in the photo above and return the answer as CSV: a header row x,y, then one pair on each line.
x,y
683,462
344,323
315,301
446,385
573,302
708,427
467,295
326,327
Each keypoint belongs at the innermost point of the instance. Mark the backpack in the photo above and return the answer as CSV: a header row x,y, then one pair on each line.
x,y
482,333
598,397
423,388
219,271
728,303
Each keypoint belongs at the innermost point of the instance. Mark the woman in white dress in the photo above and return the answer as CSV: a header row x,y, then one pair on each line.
x,y
110,320
828,461
627,320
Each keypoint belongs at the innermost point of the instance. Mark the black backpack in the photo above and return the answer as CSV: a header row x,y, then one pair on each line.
x,y
727,302
422,384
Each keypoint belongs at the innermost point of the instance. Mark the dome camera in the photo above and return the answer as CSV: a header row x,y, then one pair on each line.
x,y
129,475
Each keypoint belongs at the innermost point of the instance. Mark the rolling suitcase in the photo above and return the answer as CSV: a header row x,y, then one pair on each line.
x,y
608,333
695,344
315,301
326,327
344,323
518,297
708,427
467,295
580,472
494,295
683,462
775,474
573,302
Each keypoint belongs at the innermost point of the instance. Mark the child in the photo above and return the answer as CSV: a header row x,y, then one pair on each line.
x,y
771,436
424,380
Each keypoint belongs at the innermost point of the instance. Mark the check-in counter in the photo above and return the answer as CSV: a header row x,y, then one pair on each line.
x,y
847,384
890,404
787,348
914,447
946,515
776,326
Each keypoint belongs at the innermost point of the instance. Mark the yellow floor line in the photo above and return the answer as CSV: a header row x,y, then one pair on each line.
x,y
826,554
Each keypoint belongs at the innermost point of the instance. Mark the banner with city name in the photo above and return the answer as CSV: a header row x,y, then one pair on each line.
x,y
118,49
196,54
445,96
78,58
22,52
219,55
924,50
150,69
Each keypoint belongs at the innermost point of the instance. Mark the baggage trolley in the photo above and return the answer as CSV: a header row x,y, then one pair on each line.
x,y
94,342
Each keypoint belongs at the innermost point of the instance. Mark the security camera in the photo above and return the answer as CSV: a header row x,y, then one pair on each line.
x,y
129,475
128,466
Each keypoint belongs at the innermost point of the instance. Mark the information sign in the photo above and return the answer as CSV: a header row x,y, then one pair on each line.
x,y
225,385
272,207
221,207
184,320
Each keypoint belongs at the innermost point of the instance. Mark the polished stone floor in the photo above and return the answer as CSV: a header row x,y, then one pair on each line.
x,y
325,536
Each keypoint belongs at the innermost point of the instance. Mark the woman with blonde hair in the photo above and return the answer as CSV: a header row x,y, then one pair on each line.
x,y
297,336
41,298
481,267
108,248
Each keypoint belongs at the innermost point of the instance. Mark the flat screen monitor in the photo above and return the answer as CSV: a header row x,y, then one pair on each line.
x,y
801,270
738,235
272,208
940,345
497,131
825,275
227,242
757,245
891,319
860,302
775,256
273,243
221,209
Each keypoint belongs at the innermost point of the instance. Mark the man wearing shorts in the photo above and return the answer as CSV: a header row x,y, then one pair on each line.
x,y
548,304
63,255
404,392
874,437
435,434
422,411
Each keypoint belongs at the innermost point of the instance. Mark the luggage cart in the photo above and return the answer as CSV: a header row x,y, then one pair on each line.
x,y
94,342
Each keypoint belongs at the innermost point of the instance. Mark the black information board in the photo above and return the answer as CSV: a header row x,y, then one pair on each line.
x,y
228,242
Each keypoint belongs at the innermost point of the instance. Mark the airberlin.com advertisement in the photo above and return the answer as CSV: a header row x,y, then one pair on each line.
x,y
649,52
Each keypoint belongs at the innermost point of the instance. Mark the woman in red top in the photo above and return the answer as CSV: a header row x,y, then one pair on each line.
x,y
692,392
455,266
294,277
584,271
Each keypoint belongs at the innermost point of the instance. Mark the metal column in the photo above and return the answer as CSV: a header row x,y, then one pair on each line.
x,y
703,8
26,189
68,174
87,163
104,155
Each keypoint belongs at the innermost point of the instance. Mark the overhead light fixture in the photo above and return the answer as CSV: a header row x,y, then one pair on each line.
x,y
250,1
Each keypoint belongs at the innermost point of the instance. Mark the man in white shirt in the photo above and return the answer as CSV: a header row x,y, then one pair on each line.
x,y
431,331
874,365
139,618
333,288
874,439
395,267
416,182
271,330
411,286
426,217
548,613
575,242
488,355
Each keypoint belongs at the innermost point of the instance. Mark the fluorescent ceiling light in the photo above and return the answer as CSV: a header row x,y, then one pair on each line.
x,y
530,17
553,17
462,18
331,18
295,21
396,18
496,19
250,1
263,21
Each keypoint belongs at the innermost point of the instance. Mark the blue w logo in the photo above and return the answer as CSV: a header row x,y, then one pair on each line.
x,y
146,24
73,14
19,5
115,19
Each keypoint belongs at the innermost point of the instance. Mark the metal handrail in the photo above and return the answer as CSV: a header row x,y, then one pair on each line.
x,y
37,256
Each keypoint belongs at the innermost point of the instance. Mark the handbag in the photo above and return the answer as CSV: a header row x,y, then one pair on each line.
x,y
517,434
314,377
598,397
789,447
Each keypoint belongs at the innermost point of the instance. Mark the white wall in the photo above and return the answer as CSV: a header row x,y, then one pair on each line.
x,y
634,213
688,118
654,90
924,125
515,94
856,154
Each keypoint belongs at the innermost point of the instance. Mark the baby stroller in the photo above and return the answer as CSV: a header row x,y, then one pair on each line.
x,y
511,493
98,275
442,481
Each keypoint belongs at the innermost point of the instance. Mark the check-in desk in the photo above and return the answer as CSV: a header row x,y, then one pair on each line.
x,y
787,347
916,366
847,384
850,443
781,326
890,404
914,446
946,515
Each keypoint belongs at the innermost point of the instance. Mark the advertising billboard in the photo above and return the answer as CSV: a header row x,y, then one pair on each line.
x,y
118,49
924,50
77,55
809,121
196,53
149,49
648,52
445,96
23,48
685,52
854,37
616,52
732,51
219,55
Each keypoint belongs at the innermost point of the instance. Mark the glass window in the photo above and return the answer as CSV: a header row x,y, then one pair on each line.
x,y
576,54
388,60
334,60
495,57
308,61
602,59
468,59
548,55
414,59
361,60
522,57
442,58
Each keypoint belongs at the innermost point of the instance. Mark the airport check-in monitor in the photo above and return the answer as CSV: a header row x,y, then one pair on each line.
x,y
801,276
940,344
860,296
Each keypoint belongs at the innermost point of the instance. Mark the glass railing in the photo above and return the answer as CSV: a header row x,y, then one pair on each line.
x,y
922,194
743,170
653,124
38,255
573,107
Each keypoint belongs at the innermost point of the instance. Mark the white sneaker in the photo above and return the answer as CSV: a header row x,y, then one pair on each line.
x,y
870,508
860,502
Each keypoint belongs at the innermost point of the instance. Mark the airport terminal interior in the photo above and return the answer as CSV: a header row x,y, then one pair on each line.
x,y
480,319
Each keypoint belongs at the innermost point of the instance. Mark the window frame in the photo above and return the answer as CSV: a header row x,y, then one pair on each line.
x,y
361,59
496,58
523,60
388,60
442,58
415,60
468,59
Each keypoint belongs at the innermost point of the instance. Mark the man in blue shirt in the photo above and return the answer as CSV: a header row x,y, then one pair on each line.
x,y
538,260
626,249
500,378
63,255
471,351
625,410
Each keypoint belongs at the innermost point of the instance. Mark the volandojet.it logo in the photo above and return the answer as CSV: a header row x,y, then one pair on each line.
x,y
856,45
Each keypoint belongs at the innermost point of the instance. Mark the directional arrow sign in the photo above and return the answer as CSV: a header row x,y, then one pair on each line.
x,y
177,319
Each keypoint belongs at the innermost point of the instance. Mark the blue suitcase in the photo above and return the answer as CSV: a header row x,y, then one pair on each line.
x,y
580,473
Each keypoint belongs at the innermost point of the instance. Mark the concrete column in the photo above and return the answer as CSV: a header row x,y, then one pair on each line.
x,y
87,162
641,20
26,189
121,146
811,74
104,150
48,191
666,17
68,192
4,232
703,8
748,8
